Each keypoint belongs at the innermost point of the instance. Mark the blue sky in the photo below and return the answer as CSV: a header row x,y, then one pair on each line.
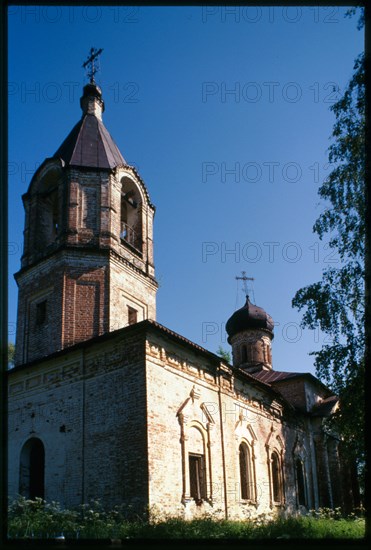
x,y
226,115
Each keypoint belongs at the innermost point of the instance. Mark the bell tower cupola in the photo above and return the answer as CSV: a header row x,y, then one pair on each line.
x,y
87,266
250,333
91,101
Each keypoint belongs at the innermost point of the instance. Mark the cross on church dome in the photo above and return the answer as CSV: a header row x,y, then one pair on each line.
x,y
244,279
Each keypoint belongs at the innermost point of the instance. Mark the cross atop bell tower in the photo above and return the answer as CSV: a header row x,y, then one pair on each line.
x,y
92,64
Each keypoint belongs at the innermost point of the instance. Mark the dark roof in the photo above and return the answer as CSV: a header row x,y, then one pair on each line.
x,y
249,316
276,377
270,376
89,144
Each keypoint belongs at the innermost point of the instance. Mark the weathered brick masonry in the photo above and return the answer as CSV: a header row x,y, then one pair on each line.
x,y
116,415
88,406
106,403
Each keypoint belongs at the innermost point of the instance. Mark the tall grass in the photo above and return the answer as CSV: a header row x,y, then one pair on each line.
x,y
37,519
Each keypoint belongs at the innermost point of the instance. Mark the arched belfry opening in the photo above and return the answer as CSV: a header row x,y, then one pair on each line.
x,y
48,210
131,215
32,469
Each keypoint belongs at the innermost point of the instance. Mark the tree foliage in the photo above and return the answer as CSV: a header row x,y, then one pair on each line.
x,y
11,355
336,302
224,354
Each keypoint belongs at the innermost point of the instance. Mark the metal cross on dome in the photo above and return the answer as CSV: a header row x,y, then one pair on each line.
x,y
244,279
91,64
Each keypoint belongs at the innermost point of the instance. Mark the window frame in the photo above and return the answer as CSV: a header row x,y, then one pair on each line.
x,y
31,482
301,489
132,312
277,478
41,313
186,424
247,485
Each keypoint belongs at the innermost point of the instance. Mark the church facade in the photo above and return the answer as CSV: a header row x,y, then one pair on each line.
x,y
106,403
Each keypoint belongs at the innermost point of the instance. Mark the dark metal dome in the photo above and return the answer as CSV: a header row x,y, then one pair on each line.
x,y
248,317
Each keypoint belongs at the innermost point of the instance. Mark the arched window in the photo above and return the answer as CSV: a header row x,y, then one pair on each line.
x,y
246,478
244,353
300,482
197,465
32,469
130,214
48,214
276,478
259,351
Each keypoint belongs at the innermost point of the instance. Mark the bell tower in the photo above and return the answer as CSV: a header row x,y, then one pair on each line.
x,y
87,266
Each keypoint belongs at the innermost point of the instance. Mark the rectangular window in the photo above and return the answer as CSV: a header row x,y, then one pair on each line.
x,y
197,477
132,315
41,312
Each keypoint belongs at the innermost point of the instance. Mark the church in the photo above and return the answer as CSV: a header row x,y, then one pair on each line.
x,y
106,403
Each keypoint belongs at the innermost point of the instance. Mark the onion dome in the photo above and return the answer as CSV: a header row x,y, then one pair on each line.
x,y
248,317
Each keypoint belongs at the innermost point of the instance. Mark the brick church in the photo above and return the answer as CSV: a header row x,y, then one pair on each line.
x,y
106,403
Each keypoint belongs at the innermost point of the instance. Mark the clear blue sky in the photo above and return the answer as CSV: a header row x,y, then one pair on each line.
x,y
226,114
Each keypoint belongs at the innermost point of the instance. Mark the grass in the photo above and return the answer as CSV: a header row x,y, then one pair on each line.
x,y
40,520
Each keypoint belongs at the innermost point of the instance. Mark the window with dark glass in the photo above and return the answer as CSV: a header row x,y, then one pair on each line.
x,y
300,482
41,312
132,315
197,477
245,473
276,478
244,354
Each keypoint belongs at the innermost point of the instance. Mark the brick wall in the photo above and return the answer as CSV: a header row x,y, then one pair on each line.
x,y
118,417
87,273
242,412
258,344
294,391
35,339
85,297
87,406
45,401
128,287
115,423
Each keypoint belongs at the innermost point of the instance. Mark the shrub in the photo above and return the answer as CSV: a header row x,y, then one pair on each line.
x,y
39,519
36,518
